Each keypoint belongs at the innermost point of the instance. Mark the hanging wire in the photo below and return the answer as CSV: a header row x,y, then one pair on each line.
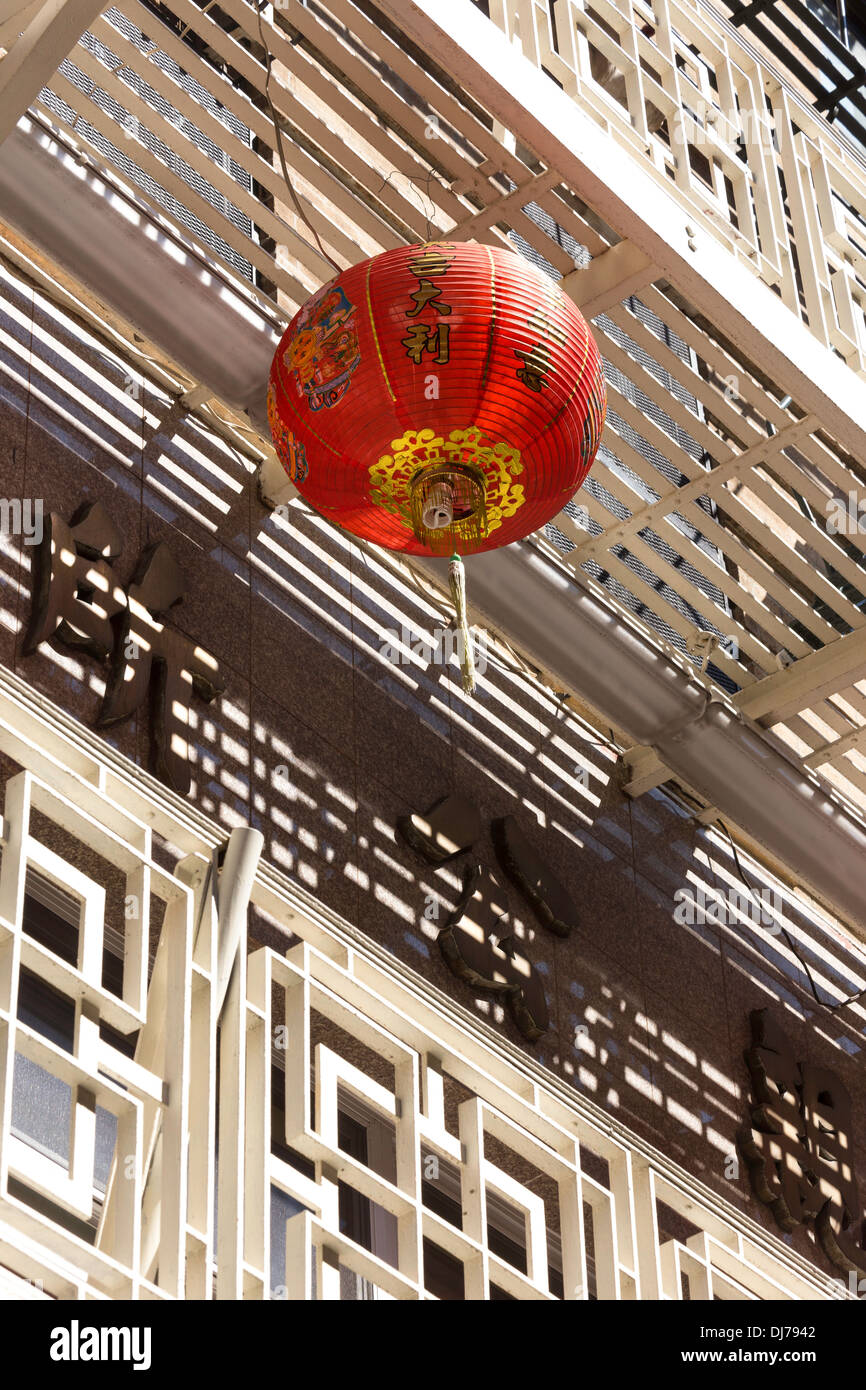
x,y
279,143
429,202
414,181
824,1004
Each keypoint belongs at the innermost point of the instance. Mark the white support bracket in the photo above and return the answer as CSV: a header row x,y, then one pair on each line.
x,y
196,396
610,278
647,771
275,487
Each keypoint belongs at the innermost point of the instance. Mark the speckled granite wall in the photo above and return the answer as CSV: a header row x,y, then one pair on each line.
x,y
297,617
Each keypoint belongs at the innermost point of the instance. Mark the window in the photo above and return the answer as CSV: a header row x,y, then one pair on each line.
x,y
41,1102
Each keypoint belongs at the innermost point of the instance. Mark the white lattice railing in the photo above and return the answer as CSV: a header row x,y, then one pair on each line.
x,y
174,1222
752,162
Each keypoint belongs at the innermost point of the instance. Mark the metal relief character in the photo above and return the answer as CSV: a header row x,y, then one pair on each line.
x,y
775,1148
476,942
152,658
480,949
75,593
451,826
78,602
798,1149
839,1224
552,904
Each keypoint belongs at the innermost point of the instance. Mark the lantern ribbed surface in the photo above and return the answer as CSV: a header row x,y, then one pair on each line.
x,y
447,356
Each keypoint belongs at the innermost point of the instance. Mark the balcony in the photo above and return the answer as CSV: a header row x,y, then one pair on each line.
x,y
822,45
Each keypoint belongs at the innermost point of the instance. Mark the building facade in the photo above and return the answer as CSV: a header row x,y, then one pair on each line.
x,y
321,979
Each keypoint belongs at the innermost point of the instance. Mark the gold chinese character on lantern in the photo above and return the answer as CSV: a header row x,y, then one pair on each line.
x,y
421,338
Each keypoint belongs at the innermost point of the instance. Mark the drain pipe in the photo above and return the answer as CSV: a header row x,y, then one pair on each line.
x,y
234,886
111,245
228,880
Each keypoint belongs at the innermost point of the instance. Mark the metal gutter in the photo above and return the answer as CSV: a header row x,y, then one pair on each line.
x,y
110,243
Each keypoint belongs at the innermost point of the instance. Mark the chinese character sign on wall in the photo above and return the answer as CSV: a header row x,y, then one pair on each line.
x,y
476,941
78,602
799,1145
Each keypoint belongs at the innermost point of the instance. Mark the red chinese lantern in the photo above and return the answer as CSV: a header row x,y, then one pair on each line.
x,y
439,399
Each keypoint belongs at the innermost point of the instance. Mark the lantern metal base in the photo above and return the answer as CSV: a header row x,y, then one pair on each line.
x,y
465,487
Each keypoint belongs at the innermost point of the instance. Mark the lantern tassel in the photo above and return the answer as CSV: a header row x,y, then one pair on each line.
x,y
457,581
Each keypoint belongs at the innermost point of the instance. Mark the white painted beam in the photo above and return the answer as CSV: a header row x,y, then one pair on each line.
x,y
832,752
33,59
13,9
807,681
15,15
275,486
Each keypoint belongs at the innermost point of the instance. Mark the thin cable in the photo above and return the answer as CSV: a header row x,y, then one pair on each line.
x,y
830,1007
279,143
386,183
430,202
